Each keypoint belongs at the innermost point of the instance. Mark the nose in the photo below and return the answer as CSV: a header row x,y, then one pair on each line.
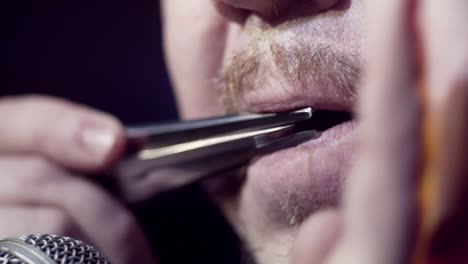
x,y
272,8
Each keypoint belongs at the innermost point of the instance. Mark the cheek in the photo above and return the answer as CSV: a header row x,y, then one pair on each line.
x,y
194,40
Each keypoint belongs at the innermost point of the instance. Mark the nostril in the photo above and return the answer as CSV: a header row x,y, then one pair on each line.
x,y
324,5
275,11
265,8
232,13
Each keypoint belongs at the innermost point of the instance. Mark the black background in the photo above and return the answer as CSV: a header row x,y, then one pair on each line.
x,y
107,54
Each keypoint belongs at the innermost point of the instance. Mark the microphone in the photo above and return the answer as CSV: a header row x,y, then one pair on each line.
x,y
48,249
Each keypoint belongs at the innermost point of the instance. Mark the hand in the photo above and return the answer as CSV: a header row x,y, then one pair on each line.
x,y
417,52
46,147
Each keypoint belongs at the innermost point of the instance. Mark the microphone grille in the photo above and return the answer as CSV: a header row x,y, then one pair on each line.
x,y
48,249
6,258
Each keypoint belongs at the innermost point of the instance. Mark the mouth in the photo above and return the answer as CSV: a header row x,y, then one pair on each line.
x,y
323,120
331,126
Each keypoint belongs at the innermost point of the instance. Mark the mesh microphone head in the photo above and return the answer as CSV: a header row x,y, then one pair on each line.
x,y
48,249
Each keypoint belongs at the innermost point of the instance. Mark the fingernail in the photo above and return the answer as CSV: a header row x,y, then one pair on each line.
x,y
98,141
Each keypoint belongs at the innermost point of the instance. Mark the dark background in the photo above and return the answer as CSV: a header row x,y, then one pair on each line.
x,y
107,54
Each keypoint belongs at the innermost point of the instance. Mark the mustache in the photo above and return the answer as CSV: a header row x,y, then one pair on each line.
x,y
300,63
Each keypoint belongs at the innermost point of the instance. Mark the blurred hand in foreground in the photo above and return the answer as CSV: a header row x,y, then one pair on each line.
x,y
47,145
405,199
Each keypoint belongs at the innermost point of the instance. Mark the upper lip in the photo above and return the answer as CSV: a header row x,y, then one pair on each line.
x,y
282,99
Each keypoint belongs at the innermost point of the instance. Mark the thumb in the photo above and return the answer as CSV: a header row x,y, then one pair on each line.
x,y
74,136
316,238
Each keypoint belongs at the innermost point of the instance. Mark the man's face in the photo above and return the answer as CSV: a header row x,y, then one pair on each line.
x,y
271,56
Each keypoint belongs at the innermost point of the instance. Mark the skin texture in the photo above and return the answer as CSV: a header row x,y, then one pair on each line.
x,y
352,196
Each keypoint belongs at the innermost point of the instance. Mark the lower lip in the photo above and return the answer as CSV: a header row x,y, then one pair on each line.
x,y
325,142
333,135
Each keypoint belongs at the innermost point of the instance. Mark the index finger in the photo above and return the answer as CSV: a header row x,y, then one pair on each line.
x,y
71,135
379,203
